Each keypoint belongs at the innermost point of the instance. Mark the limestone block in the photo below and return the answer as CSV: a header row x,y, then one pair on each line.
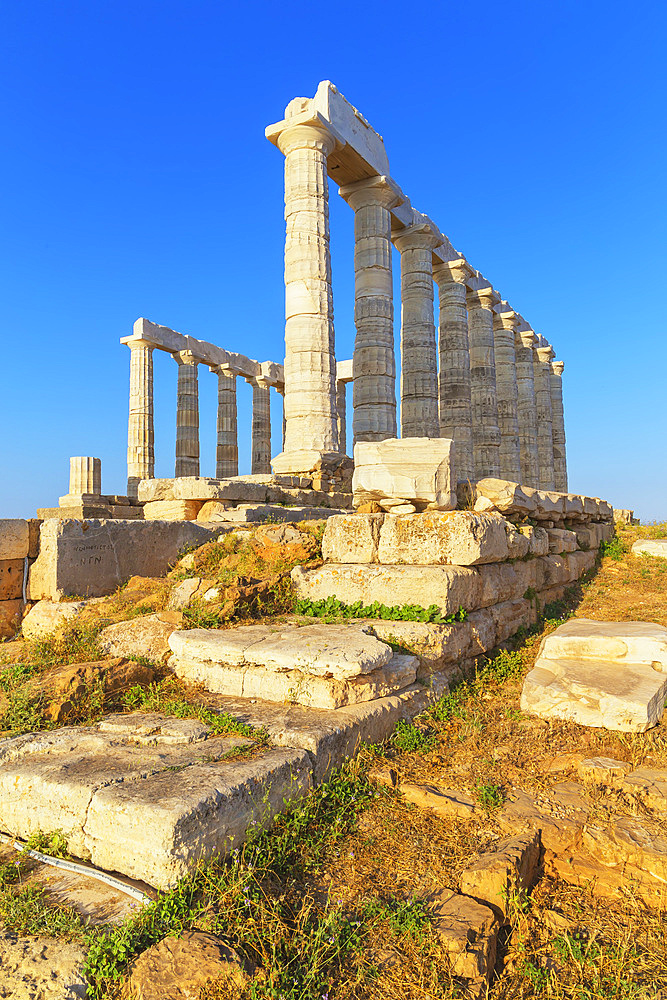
x,y
589,536
213,510
10,618
47,968
506,497
250,513
603,770
11,579
297,687
624,516
172,510
650,547
340,651
482,631
469,932
627,697
510,616
149,490
573,507
408,469
518,542
511,867
550,506
92,558
444,802
607,530
147,637
561,540
447,587
559,815
459,537
14,538
178,967
48,618
503,582
436,646
647,785
538,539
635,642
148,810
591,508
605,511
352,538
631,840
579,563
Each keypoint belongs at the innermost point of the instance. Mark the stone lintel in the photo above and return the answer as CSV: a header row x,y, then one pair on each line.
x,y
344,371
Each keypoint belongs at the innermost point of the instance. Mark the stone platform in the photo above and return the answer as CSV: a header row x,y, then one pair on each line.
x,y
650,547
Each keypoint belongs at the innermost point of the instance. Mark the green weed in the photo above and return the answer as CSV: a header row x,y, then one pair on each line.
x,y
331,607
167,697
409,738
489,795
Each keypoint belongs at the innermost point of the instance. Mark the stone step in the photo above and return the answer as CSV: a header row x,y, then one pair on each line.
x,y
296,687
583,638
251,513
622,696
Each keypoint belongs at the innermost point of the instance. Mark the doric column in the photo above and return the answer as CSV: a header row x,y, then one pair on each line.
x,y
504,329
374,389
454,379
85,476
485,430
310,367
187,415
419,366
560,453
261,426
140,432
530,473
227,450
545,445
341,407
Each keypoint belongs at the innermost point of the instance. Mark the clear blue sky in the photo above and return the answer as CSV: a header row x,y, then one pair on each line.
x,y
136,181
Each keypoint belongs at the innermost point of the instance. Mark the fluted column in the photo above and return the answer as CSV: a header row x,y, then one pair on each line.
x,y
310,367
341,407
545,445
85,476
261,425
560,453
455,405
504,329
187,415
485,430
227,449
530,473
419,366
140,432
374,389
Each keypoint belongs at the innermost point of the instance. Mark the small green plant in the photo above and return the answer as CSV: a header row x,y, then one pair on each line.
x,y
409,738
615,548
166,696
489,795
406,917
332,607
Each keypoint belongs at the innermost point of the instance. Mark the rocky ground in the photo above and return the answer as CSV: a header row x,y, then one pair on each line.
x,y
478,843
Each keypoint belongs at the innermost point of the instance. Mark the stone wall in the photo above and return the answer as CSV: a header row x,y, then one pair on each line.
x,y
19,541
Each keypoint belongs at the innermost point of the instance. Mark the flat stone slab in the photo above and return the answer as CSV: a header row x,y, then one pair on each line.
x,y
295,686
650,547
626,697
248,513
46,968
339,651
145,809
583,638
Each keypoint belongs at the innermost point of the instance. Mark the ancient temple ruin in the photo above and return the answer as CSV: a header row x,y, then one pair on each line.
x,y
485,379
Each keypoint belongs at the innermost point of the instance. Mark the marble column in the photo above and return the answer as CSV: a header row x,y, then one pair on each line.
x,y
560,453
523,343
187,416
85,476
261,426
485,429
504,330
374,389
227,449
310,367
455,406
545,446
419,366
341,409
140,432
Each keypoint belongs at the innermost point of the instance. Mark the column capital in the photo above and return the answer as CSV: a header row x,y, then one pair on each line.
x,y
223,369
185,358
306,130
528,337
506,320
452,272
378,190
557,367
137,342
262,381
545,352
418,236
484,298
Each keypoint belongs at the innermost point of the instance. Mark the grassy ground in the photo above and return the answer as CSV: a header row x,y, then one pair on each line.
x,y
332,903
